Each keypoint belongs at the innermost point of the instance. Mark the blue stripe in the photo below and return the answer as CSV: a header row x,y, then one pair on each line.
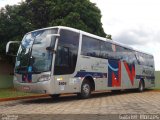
x,y
93,74
113,69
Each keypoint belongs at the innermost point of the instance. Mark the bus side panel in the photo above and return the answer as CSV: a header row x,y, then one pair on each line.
x,y
121,75
86,66
129,76
66,84
147,74
95,68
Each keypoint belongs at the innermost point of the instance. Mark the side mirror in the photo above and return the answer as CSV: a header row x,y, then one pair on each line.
x,y
12,48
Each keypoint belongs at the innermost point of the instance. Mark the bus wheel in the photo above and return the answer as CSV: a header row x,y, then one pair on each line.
x,y
55,96
115,91
141,86
85,90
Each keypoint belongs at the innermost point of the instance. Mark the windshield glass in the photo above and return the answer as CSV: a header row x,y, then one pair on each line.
x,y
32,55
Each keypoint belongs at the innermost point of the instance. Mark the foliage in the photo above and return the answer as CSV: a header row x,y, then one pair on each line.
x,y
108,36
17,20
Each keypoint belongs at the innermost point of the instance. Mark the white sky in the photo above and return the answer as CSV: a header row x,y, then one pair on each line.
x,y
10,2
132,22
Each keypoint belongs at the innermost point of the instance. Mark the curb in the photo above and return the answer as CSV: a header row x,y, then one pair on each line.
x,y
156,90
46,95
24,97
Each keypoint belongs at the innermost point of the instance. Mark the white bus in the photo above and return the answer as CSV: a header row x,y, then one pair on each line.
x,y
59,60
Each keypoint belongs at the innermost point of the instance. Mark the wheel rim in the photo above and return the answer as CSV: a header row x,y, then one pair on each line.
x,y
86,89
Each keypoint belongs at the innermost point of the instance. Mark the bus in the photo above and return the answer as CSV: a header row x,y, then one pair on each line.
x,y
58,60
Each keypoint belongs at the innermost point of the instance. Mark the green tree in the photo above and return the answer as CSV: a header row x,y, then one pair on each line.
x,y
16,20
108,36
12,25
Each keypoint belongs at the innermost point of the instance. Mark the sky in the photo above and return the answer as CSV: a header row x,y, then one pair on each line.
x,y
10,2
135,23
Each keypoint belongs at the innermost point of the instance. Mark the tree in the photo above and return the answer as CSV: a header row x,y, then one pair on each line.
x,y
108,36
16,20
12,26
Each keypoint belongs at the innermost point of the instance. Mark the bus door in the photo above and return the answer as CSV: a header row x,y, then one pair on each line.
x,y
65,61
114,73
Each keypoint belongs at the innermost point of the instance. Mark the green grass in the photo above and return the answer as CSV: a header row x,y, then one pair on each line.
x,y
9,93
157,81
6,88
6,81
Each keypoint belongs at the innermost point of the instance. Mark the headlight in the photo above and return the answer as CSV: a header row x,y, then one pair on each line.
x,y
44,78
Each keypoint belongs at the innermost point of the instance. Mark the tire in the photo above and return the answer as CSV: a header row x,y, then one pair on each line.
x,y
85,90
55,96
115,91
141,86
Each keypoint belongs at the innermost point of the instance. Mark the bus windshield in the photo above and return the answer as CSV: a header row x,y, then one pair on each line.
x,y
32,55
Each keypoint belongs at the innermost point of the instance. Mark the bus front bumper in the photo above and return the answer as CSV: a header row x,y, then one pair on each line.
x,y
39,87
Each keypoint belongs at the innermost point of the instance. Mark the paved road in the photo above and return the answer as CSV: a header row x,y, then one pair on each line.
x,y
147,102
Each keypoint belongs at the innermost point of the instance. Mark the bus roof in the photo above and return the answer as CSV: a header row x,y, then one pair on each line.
x,y
94,36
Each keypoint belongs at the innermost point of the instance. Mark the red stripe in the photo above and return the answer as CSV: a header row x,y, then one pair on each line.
x,y
117,81
131,73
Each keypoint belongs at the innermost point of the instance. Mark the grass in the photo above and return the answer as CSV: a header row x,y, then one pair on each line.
x,y
157,75
6,90
9,93
6,81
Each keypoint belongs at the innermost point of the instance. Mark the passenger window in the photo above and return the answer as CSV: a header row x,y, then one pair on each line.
x,y
90,47
119,52
106,50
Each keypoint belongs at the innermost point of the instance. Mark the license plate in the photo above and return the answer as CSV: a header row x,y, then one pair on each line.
x,y
26,88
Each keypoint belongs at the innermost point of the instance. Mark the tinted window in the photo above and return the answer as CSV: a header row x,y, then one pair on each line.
x,y
42,58
106,50
144,59
151,61
113,54
132,58
129,56
135,60
67,50
90,47
33,53
119,52
140,58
